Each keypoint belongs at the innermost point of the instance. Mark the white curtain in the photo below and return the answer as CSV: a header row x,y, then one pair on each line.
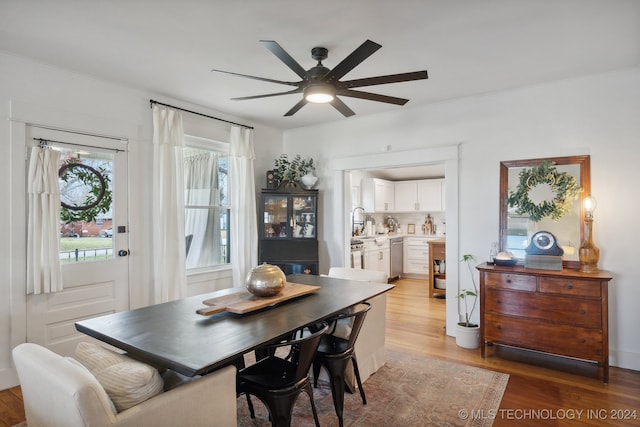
x,y
169,280
202,224
242,199
44,274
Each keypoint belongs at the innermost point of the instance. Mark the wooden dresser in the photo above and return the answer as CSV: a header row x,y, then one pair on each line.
x,y
558,312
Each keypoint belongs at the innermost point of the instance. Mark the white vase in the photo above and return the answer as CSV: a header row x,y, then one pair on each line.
x,y
309,180
467,337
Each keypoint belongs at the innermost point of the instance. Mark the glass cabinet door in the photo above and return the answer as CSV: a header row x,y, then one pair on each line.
x,y
275,224
304,216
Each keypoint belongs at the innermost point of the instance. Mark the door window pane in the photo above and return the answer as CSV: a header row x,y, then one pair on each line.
x,y
86,196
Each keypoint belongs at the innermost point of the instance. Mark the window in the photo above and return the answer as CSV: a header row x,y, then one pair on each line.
x,y
206,202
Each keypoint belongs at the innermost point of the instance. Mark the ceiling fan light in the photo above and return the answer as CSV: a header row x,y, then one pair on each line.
x,y
319,94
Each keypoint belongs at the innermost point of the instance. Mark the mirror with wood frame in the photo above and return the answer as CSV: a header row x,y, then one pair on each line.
x,y
516,228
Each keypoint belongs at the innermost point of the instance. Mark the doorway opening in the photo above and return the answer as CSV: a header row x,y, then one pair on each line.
x,y
446,157
408,263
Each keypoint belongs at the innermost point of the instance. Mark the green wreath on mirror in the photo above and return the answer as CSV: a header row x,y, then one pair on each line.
x,y
563,184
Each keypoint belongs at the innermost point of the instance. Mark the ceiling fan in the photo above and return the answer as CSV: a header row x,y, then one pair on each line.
x,y
322,85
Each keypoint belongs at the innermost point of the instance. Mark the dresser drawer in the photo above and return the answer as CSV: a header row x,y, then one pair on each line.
x,y
418,267
518,282
581,312
418,253
568,286
544,336
415,241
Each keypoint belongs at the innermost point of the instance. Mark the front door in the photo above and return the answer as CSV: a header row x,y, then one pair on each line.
x,y
93,238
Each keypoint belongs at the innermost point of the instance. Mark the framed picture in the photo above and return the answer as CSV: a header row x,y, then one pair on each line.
x,y
411,229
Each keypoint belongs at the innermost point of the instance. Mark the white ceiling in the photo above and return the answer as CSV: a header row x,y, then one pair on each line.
x,y
469,47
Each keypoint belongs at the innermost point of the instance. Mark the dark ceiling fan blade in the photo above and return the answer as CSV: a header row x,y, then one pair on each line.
x,y
282,54
381,80
372,96
264,79
296,107
242,98
364,51
342,107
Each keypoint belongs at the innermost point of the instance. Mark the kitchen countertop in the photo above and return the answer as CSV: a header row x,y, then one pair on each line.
x,y
439,240
396,235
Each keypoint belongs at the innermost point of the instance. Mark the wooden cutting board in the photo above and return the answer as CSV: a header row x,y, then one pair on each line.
x,y
242,301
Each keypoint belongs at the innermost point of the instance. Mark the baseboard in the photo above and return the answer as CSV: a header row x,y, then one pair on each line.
x,y
8,378
624,359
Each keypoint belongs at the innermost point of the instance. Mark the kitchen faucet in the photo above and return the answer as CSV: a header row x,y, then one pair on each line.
x,y
353,220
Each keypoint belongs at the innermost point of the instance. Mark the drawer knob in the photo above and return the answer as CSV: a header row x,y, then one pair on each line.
x,y
508,280
498,327
583,311
569,286
583,341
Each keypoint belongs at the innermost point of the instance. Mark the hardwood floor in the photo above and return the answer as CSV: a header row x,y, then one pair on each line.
x,y
542,390
11,409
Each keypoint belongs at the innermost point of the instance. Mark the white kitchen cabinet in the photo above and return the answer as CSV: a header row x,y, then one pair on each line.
x,y
377,255
420,195
377,195
406,196
416,257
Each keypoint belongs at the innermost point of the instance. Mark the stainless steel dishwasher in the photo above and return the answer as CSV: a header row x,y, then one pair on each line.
x,y
396,257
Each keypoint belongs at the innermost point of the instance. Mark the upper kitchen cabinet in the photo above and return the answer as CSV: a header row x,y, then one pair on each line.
x,y
421,195
378,195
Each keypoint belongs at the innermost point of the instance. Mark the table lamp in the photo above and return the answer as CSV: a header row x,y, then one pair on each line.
x,y
588,252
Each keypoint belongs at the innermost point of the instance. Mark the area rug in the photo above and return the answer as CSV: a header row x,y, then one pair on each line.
x,y
407,391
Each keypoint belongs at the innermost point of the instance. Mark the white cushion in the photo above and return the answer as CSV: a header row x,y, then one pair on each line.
x,y
128,382
96,358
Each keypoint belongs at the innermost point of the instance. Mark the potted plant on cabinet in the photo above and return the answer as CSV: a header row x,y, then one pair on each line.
x,y
467,332
295,170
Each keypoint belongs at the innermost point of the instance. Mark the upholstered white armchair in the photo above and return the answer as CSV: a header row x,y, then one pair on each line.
x,y
60,392
370,344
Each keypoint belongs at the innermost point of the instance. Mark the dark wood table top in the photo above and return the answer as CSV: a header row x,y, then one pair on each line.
x,y
172,335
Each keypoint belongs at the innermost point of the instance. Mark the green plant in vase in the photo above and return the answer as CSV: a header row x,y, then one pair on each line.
x,y
466,293
468,333
293,170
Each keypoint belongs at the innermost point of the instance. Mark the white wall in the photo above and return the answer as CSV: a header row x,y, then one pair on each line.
x,y
595,115
95,103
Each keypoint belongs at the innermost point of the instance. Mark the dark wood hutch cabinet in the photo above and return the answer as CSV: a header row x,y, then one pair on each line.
x,y
559,312
289,228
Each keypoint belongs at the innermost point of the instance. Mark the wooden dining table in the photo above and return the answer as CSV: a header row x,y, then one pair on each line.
x,y
174,336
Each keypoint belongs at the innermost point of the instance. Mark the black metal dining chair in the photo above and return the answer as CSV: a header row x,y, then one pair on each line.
x,y
278,380
336,349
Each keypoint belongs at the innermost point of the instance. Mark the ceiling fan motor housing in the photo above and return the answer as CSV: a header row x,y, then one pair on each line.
x,y
319,53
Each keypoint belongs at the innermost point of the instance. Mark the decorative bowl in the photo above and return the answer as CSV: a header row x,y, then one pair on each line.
x,y
505,262
265,280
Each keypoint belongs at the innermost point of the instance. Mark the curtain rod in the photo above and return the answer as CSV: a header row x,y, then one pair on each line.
x,y
151,102
45,142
